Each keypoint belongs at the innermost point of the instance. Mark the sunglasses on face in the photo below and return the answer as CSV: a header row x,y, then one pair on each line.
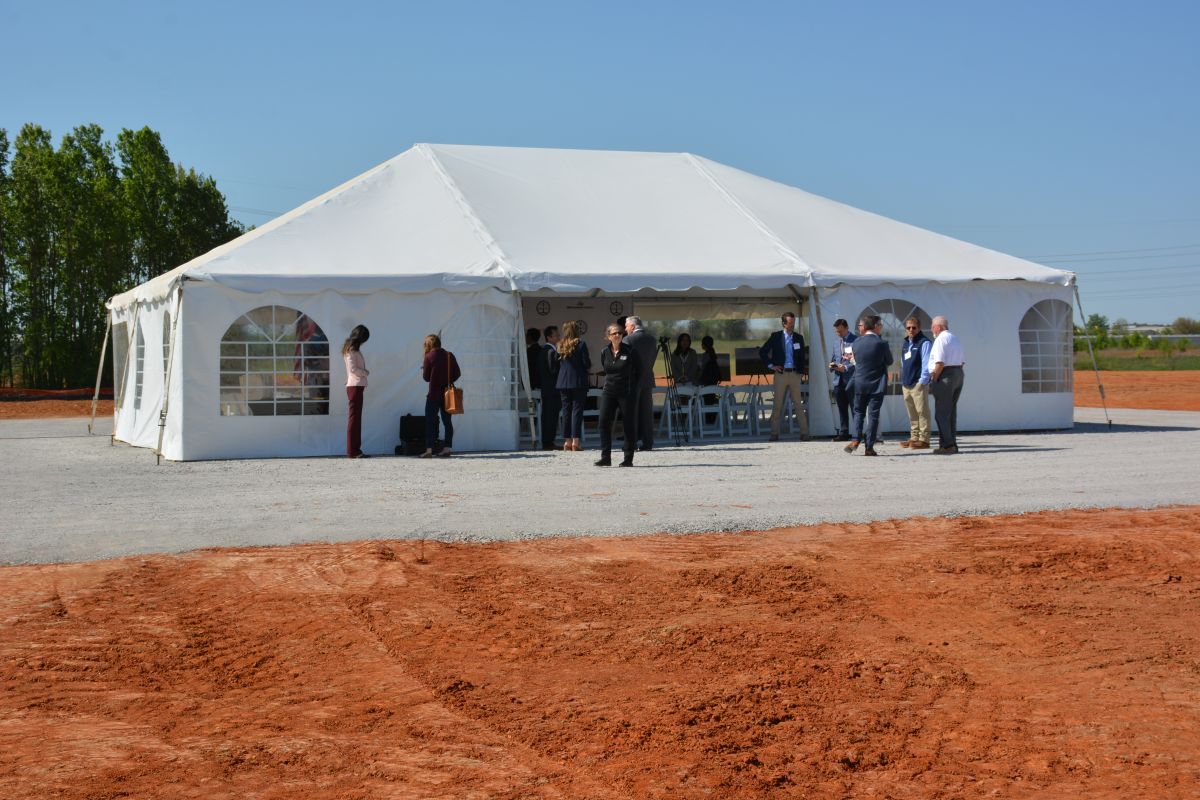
x,y
911,328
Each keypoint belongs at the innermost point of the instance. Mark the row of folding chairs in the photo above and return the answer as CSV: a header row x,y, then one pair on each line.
x,y
700,412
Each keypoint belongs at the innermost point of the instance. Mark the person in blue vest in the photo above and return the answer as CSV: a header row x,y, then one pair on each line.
x,y
785,355
872,357
841,374
914,381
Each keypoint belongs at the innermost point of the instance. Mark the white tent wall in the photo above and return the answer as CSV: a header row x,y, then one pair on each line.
x,y
144,328
986,317
479,327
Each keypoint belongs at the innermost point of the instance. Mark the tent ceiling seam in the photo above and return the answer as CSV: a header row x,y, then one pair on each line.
x,y
788,253
477,224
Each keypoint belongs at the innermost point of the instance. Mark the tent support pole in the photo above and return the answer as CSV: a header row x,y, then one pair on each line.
x,y
523,377
824,351
100,372
166,401
119,399
1092,353
821,332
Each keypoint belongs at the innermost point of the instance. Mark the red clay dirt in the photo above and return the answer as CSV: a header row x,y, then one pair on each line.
x,y
1034,656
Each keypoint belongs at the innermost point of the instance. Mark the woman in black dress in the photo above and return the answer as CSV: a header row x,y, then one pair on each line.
x,y
573,368
621,370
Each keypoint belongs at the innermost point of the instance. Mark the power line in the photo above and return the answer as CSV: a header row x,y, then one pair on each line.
x,y
244,210
1119,258
1111,252
1135,270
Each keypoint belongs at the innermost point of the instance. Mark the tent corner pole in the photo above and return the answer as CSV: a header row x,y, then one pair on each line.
x,y
523,377
100,371
824,350
119,398
1092,353
166,401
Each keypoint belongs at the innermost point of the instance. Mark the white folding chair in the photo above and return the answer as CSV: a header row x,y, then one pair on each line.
x,y
685,406
592,414
710,412
739,410
531,412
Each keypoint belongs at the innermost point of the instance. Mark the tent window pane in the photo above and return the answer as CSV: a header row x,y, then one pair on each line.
x,y
893,313
139,367
1046,346
166,345
274,362
120,354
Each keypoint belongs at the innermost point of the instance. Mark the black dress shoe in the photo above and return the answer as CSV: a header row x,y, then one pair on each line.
x,y
644,449
870,451
842,437
626,463
604,462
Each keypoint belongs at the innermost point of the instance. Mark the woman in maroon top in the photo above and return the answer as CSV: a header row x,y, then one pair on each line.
x,y
440,369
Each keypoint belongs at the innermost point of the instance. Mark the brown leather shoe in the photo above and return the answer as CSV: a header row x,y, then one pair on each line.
x,y
919,445
945,451
870,451
850,448
907,443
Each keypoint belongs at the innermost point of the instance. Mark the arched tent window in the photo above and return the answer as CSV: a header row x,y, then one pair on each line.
x,y
139,367
1046,348
893,312
274,362
120,354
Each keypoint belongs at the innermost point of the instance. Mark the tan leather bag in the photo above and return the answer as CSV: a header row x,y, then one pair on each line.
x,y
452,400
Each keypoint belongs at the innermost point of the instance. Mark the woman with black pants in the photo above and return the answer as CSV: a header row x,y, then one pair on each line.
x,y
356,384
573,368
440,369
621,370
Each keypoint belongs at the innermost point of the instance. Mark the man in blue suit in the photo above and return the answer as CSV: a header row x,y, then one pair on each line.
x,y
841,373
872,357
785,355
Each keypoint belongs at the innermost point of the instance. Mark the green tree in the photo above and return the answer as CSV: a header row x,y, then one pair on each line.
x,y
1186,326
148,187
7,324
1096,322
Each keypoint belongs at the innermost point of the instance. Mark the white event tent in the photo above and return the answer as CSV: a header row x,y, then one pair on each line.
x,y
236,353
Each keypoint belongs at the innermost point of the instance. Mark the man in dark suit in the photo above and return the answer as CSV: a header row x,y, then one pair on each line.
x,y
533,357
551,399
841,374
785,355
872,357
647,350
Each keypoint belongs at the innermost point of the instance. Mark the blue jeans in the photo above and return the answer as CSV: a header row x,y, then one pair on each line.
x,y
866,417
434,406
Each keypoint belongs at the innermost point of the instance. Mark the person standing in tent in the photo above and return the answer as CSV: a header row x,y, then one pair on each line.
x,y
356,384
574,364
947,359
841,373
439,369
551,400
621,373
785,355
643,344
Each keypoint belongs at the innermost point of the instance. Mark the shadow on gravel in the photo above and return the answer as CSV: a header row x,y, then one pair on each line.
x,y
1101,427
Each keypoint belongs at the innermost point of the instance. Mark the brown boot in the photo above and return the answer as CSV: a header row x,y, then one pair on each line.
x,y
919,445
908,442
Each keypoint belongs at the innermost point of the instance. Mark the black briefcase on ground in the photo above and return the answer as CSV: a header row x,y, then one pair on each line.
x,y
412,428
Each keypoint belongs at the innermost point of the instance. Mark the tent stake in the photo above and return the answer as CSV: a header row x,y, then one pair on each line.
x,y
1092,353
100,371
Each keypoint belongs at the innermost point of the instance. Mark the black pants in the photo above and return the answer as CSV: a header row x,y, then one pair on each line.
x,y
608,415
643,412
433,406
946,390
843,396
551,409
866,417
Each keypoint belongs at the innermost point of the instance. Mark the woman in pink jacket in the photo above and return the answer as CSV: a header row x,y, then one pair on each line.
x,y
356,383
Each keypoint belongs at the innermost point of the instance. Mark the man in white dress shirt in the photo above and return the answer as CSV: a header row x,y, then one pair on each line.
x,y
947,360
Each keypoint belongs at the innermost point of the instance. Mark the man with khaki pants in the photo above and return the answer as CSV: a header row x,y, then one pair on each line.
x,y
785,355
914,381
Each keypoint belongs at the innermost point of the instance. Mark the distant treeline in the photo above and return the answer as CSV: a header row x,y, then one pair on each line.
x,y
79,224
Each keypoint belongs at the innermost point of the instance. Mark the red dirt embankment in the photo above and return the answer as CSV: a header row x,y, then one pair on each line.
x,y
1044,655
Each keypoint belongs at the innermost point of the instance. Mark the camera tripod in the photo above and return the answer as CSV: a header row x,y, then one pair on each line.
x,y
677,422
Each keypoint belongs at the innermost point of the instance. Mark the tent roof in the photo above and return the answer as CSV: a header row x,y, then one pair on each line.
x,y
457,216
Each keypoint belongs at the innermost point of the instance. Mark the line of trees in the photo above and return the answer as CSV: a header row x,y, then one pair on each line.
x,y
80,223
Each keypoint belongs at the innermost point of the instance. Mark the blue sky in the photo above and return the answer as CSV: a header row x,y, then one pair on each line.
x,y
1068,133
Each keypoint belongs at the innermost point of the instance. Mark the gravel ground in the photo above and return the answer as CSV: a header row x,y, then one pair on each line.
x,y
71,497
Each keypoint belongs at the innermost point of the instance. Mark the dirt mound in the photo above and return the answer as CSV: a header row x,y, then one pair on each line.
x,y
1052,654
